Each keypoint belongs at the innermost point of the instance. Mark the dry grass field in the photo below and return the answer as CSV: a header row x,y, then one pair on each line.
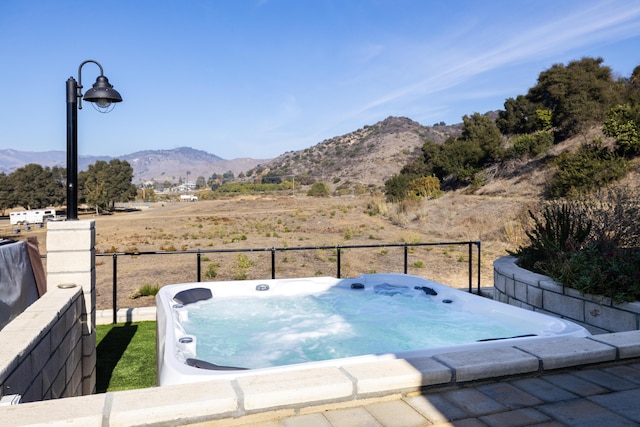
x,y
254,222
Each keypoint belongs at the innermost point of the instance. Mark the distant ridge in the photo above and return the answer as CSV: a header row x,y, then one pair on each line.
x,y
365,157
159,165
11,159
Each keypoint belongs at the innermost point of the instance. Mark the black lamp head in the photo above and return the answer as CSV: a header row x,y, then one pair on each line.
x,y
102,93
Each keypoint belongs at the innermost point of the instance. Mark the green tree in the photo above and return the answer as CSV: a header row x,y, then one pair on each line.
x,y
396,188
5,193
459,159
201,182
578,94
482,131
518,117
271,178
94,185
632,88
33,186
423,165
120,187
103,184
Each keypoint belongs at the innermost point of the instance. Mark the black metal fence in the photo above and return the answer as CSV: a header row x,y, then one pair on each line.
x,y
198,257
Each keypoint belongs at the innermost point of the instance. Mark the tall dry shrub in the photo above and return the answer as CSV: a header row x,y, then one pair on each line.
x,y
592,245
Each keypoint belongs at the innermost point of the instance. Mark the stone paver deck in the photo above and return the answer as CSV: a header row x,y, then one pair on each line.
x,y
601,396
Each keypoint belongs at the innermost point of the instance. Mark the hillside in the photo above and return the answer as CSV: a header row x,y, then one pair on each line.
x,y
368,156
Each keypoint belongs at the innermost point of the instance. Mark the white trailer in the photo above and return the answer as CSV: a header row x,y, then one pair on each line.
x,y
188,198
36,216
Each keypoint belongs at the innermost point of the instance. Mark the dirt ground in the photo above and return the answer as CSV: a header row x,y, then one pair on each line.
x,y
267,222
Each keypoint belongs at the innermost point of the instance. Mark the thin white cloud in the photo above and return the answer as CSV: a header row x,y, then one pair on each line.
x,y
599,24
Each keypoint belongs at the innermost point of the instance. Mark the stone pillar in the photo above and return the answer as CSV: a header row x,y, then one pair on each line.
x,y
71,260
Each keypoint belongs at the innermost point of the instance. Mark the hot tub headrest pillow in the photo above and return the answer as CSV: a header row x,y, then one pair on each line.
x,y
193,295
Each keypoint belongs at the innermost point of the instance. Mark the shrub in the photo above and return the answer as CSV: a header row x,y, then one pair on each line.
x,y
348,234
318,189
614,213
376,206
397,187
612,272
212,270
242,269
592,245
591,167
558,227
623,123
145,290
427,187
533,144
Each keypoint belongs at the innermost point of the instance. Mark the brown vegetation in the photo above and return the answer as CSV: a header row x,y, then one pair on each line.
x,y
287,222
301,221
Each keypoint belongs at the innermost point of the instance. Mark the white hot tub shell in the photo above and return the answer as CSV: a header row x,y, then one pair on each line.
x,y
175,347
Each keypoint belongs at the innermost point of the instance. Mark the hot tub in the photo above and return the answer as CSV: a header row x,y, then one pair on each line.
x,y
234,328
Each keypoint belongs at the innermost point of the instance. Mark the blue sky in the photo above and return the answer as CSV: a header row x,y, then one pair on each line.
x,y
257,78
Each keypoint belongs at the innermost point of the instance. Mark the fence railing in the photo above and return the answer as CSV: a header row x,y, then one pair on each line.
x,y
273,250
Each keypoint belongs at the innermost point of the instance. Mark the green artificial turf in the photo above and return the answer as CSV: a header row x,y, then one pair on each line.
x,y
126,356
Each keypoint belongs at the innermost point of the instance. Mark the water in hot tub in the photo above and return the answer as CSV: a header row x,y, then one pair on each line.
x,y
252,332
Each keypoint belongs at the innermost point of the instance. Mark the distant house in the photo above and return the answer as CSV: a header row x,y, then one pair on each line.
x,y
185,187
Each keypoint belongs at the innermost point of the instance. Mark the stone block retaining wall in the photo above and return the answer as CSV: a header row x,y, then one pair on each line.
x,y
523,288
41,352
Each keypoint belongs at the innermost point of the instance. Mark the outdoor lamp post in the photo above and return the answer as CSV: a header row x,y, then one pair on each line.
x,y
102,95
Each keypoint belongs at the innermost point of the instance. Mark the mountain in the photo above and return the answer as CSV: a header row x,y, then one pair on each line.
x,y
369,156
159,165
171,165
11,159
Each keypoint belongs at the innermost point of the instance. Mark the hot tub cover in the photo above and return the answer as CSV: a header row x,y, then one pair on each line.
x,y
18,288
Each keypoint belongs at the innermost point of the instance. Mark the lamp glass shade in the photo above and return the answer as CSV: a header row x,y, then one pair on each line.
x,y
102,93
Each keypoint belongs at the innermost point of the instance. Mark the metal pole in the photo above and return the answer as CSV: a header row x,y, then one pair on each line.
x,y
273,263
338,262
406,259
72,149
115,289
478,267
198,268
471,267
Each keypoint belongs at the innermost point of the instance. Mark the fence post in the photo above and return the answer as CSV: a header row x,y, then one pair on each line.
x,y
406,259
338,260
115,288
478,243
273,262
199,267
471,268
